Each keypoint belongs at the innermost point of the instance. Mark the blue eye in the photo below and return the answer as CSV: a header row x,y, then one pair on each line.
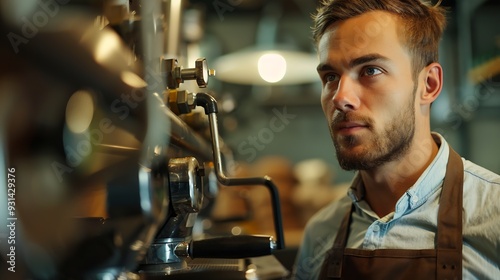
x,y
371,71
331,78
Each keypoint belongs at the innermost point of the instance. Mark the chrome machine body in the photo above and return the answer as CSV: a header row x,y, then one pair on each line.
x,y
106,178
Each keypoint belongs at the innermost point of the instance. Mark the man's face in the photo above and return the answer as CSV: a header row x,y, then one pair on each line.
x,y
368,93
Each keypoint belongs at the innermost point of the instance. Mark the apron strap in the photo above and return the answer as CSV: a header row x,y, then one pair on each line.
x,y
449,234
333,260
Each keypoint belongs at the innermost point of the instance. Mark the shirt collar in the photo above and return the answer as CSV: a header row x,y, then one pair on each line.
x,y
430,180
357,190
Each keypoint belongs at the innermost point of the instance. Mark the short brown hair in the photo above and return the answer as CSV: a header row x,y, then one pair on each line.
x,y
423,24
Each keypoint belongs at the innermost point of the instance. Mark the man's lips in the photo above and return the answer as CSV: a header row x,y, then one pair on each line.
x,y
348,127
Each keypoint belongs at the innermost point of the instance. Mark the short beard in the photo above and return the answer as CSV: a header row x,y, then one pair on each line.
x,y
391,145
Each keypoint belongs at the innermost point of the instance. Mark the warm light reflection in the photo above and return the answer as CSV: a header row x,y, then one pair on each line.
x,y
272,67
107,44
79,111
251,273
236,231
133,79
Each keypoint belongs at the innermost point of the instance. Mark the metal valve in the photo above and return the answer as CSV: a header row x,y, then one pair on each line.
x,y
186,186
181,101
176,75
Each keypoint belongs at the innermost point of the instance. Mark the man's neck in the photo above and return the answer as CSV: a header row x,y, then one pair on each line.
x,y
385,184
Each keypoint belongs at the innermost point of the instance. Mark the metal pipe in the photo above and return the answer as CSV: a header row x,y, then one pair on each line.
x,y
264,181
210,105
174,13
117,150
182,136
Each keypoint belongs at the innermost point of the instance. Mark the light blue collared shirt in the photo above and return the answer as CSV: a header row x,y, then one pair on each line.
x,y
413,224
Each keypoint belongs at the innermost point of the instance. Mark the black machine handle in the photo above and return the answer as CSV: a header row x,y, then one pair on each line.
x,y
210,105
233,247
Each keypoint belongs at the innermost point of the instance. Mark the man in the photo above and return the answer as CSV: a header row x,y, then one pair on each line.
x,y
415,209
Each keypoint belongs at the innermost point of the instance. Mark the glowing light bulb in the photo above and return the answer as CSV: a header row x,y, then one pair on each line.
x,y
272,67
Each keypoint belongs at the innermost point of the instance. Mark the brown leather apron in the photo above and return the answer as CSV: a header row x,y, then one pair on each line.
x,y
444,262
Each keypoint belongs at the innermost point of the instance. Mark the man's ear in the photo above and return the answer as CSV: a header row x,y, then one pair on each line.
x,y
433,82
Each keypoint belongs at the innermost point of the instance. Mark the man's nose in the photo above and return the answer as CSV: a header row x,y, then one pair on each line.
x,y
346,98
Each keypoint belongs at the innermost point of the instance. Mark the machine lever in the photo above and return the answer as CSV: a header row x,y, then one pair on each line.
x,y
232,247
191,100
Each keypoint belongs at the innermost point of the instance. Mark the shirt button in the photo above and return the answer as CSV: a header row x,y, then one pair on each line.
x,y
370,247
376,228
414,199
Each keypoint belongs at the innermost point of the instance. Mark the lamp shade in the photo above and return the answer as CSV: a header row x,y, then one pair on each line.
x,y
267,67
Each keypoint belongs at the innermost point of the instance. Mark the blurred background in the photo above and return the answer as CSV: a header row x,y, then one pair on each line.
x,y
467,112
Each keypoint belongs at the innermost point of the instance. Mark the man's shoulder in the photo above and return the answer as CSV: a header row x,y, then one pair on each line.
x,y
480,195
321,230
480,175
332,212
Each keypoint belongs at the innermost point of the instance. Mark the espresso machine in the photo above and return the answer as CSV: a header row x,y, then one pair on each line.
x,y
106,177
